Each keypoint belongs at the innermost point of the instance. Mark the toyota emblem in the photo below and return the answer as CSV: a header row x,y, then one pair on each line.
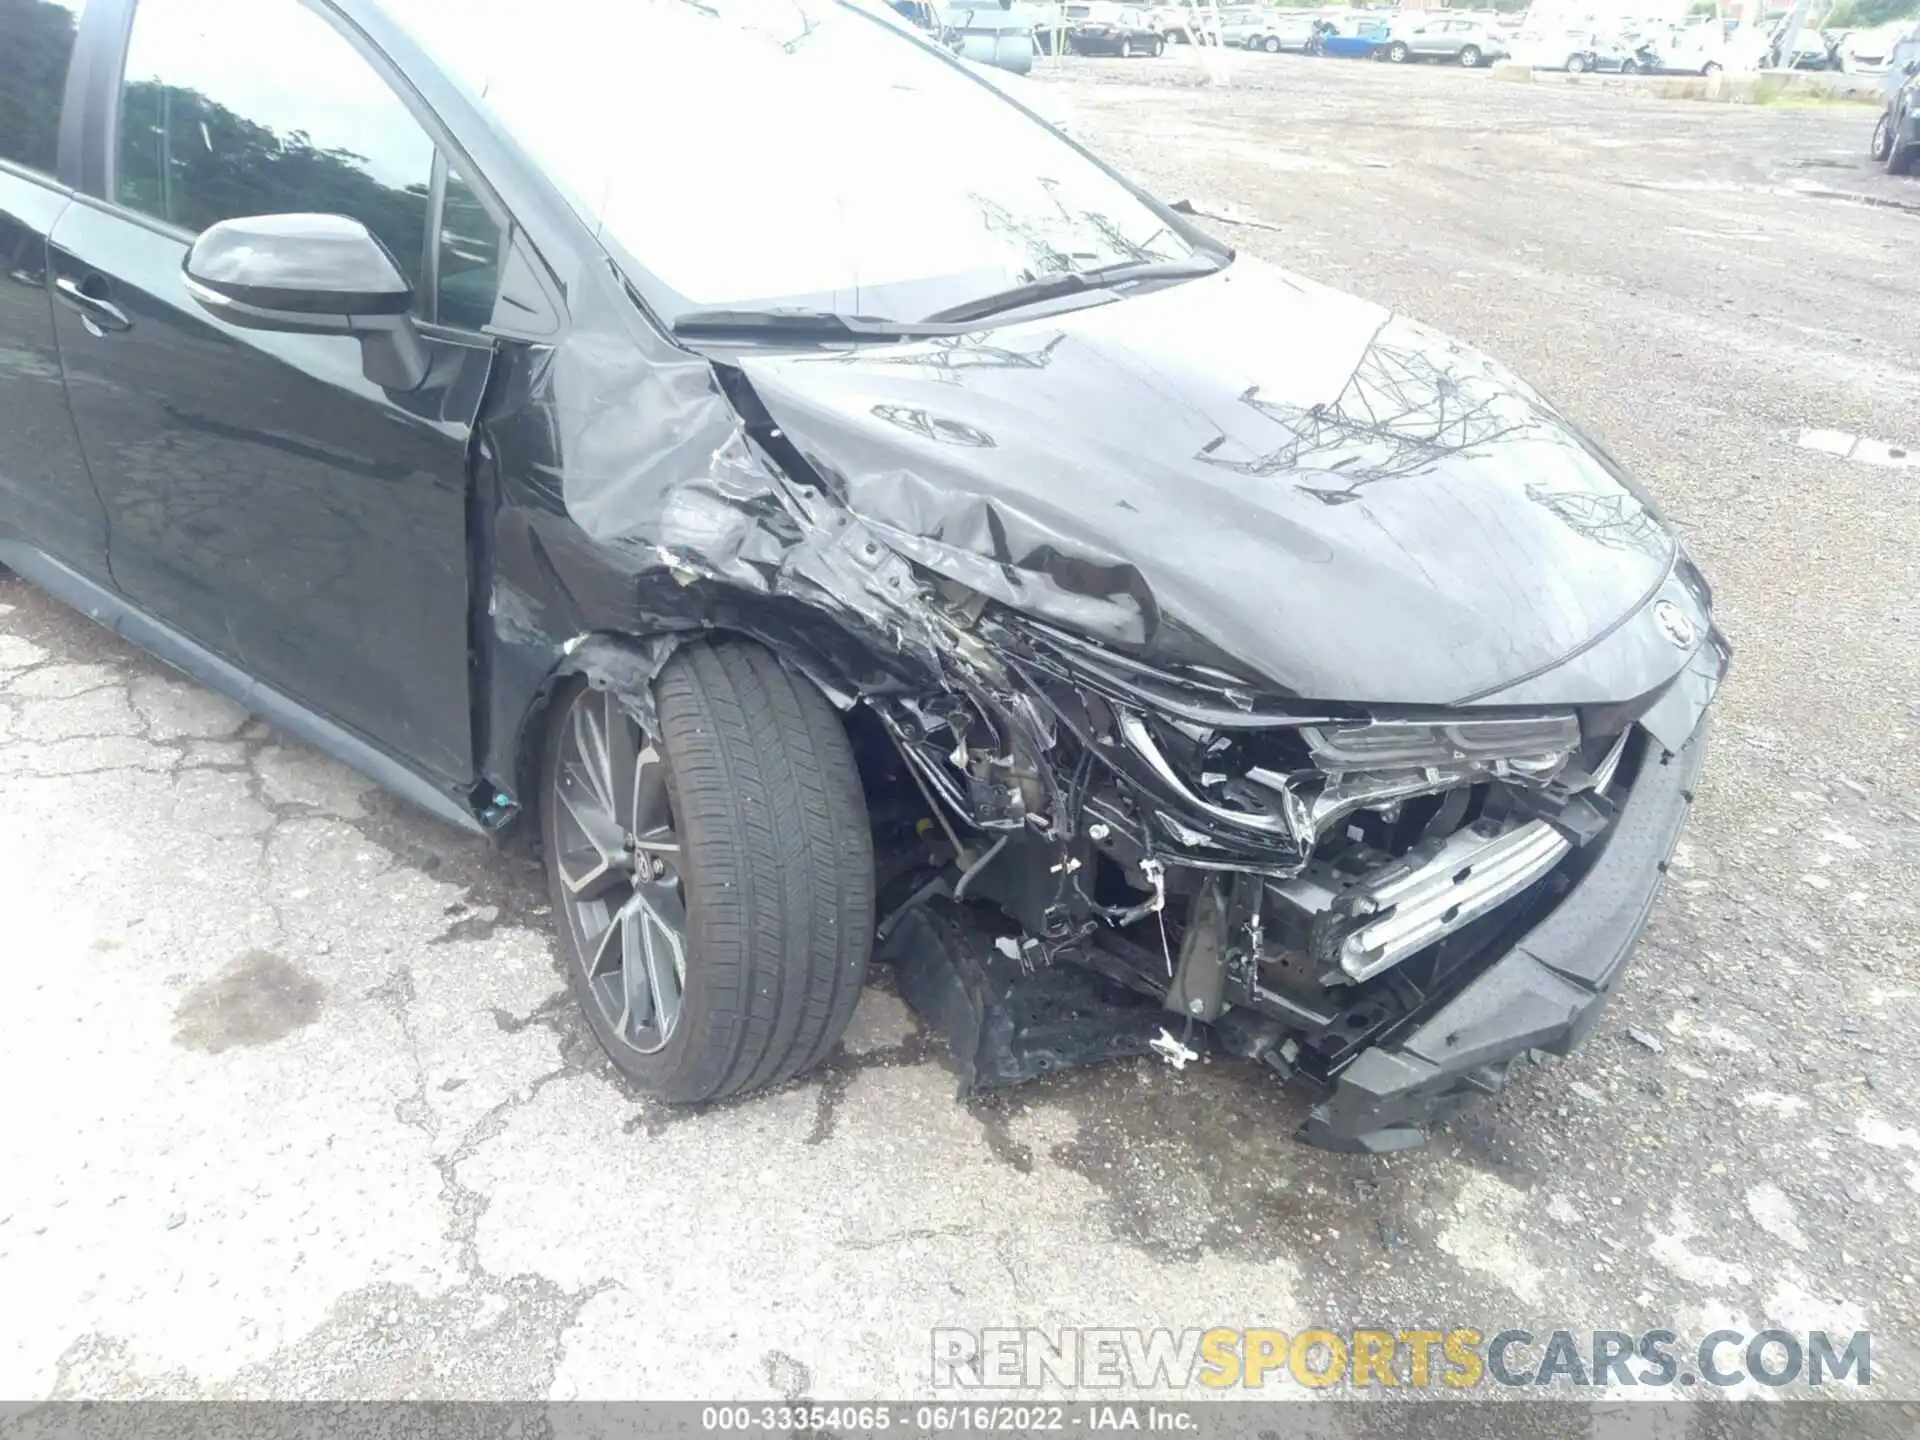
x,y
1674,624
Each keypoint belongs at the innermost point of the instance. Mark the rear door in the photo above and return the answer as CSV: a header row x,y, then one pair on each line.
x,y
47,500
263,496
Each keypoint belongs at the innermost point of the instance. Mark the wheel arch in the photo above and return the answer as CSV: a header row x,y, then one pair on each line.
x,y
628,661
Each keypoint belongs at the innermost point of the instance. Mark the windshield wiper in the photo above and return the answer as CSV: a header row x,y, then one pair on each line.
x,y
814,327
1070,282
801,326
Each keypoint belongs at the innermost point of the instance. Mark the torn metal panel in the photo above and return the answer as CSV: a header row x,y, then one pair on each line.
x,y
626,497
1008,1019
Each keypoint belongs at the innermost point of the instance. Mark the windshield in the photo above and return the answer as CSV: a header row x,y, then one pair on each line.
x,y
788,153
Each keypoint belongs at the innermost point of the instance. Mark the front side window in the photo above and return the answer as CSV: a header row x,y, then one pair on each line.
x,y
841,186
36,44
469,258
264,108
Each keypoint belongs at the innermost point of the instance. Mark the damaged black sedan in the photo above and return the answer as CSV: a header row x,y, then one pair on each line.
x,y
839,516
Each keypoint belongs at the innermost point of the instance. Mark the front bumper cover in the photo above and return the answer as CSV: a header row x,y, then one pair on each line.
x,y
1544,994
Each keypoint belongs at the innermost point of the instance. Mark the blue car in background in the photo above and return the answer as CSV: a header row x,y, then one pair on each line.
x,y
1364,43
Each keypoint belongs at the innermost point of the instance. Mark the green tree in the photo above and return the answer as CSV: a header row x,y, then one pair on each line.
x,y
36,42
193,161
1865,14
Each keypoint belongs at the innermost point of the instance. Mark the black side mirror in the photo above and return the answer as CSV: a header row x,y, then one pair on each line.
x,y
311,275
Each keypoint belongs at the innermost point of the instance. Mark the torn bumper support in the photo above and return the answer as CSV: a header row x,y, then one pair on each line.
x,y
1007,1021
1545,993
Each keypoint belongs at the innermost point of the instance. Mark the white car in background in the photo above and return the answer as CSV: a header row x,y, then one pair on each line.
x,y
1870,52
1553,49
1188,24
1701,49
1273,32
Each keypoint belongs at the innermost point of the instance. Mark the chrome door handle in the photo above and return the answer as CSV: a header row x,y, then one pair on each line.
x,y
104,314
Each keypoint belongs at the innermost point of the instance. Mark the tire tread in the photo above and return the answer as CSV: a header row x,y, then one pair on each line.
x,y
779,863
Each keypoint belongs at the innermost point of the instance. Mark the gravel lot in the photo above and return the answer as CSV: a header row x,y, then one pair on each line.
x,y
296,1107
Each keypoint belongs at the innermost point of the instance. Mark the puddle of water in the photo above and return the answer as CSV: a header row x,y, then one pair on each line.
x,y
1858,448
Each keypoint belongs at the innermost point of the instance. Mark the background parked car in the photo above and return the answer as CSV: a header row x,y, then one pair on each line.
x,y
1238,22
991,35
1811,51
1464,41
1186,24
1896,138
1112,30
1553,49
1279,32
1043,16
1364,40
1685,50
1871,52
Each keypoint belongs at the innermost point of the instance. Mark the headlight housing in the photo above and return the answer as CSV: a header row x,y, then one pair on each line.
x,y
1528,743
1232,776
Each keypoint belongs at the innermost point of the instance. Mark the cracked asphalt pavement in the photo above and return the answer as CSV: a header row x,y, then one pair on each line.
x,y
296,1107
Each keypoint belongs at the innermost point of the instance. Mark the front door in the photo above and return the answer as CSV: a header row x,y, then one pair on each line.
x,y
46,498
262,495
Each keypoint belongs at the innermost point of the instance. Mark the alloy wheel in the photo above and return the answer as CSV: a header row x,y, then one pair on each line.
x,y
618,859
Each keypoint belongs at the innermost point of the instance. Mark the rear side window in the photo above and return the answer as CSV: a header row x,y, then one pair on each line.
x,y
263,108
36,44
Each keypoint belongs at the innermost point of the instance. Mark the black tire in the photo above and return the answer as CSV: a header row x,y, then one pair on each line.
x,y
1159,47
1629,67
1902,159
1881,145
1710,69
1271,44
1576,64
775,866
1398,52
1470,57
1126,48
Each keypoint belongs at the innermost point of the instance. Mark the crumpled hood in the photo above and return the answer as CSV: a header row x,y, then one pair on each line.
x,y
1343,502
